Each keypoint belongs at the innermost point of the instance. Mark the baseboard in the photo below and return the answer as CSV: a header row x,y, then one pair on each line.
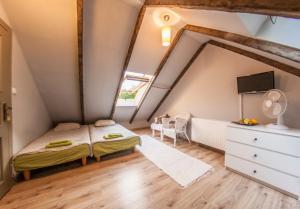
x,y
210,148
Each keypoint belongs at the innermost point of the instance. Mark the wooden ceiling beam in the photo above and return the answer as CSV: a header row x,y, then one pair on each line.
x,y
80,56
257,57
158,70
184,70
287,8
284,51
128,56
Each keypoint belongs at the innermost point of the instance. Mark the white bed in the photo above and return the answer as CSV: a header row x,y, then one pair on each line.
x,y
101,146
36,155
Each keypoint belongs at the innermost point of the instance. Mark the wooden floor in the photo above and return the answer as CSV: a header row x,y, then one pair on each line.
x,y
134,182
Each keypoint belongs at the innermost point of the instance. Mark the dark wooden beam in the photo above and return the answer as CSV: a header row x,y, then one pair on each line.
x,y
260,58
80,55
128,56
184,70
284,51
286,8
158,70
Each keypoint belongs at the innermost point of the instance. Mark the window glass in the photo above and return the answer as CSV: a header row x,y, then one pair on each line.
x,y
133,89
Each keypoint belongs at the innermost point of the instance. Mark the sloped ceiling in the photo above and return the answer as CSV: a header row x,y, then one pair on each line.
x,y
47,32
108,26
148,51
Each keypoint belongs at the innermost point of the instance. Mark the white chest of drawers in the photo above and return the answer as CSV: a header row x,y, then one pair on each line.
x,y
270,156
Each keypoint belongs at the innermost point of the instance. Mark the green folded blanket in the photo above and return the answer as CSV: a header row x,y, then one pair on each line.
x,y
61,143
112,136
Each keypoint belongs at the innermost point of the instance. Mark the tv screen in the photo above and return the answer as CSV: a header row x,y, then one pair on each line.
x,y
256,83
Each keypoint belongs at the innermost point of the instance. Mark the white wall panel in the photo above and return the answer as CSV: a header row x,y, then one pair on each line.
x,y
107,33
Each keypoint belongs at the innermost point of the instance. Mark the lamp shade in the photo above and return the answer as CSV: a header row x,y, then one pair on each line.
x,y
166,36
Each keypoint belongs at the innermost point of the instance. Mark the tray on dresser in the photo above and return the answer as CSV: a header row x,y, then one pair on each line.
x,y
243,124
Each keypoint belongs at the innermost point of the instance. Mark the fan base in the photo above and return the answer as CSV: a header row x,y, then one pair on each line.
x,y
277,126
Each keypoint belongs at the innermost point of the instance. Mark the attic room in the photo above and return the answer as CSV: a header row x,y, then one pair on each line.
x,y
150,104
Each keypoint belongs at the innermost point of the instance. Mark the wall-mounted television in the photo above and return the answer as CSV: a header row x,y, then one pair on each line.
x,y
255,83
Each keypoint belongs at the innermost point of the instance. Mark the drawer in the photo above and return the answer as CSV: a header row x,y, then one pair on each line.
x,y
280,180
276,142
284,163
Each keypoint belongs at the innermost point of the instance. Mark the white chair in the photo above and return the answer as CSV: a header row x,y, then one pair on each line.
x,y
172,127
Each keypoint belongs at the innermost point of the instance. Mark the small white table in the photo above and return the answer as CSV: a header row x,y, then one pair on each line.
x,y
156,127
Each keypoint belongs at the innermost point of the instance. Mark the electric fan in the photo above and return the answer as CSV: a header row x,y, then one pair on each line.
x,y
274,106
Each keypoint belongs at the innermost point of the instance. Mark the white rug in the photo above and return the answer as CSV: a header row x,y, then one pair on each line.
x,y
181,167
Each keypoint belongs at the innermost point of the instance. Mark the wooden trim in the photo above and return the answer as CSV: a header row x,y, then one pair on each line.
x,y
80,55
184,70
286,52
287,8
158,70
260,58
128,56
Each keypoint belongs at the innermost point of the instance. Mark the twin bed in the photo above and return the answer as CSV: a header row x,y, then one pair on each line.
x,y
86,141
101,146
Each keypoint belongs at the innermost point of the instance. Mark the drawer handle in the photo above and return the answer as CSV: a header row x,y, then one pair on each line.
x,y
254,171
255,155
255,139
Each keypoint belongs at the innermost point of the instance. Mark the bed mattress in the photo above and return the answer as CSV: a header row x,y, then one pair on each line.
x,y
101,146
35,155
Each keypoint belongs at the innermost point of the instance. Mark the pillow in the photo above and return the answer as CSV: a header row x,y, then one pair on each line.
x,y
66,126
100,123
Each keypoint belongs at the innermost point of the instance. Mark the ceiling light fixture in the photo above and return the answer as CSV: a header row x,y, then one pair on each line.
x,y
166,18
166,31
166,36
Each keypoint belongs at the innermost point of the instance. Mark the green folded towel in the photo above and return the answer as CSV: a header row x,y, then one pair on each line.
x,y
112,136
60,141
62,144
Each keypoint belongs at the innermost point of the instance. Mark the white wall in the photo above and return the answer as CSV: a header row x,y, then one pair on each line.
x,y
30,116
285,31
208,89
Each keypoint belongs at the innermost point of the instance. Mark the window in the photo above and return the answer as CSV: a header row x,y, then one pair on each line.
x,y
133,88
